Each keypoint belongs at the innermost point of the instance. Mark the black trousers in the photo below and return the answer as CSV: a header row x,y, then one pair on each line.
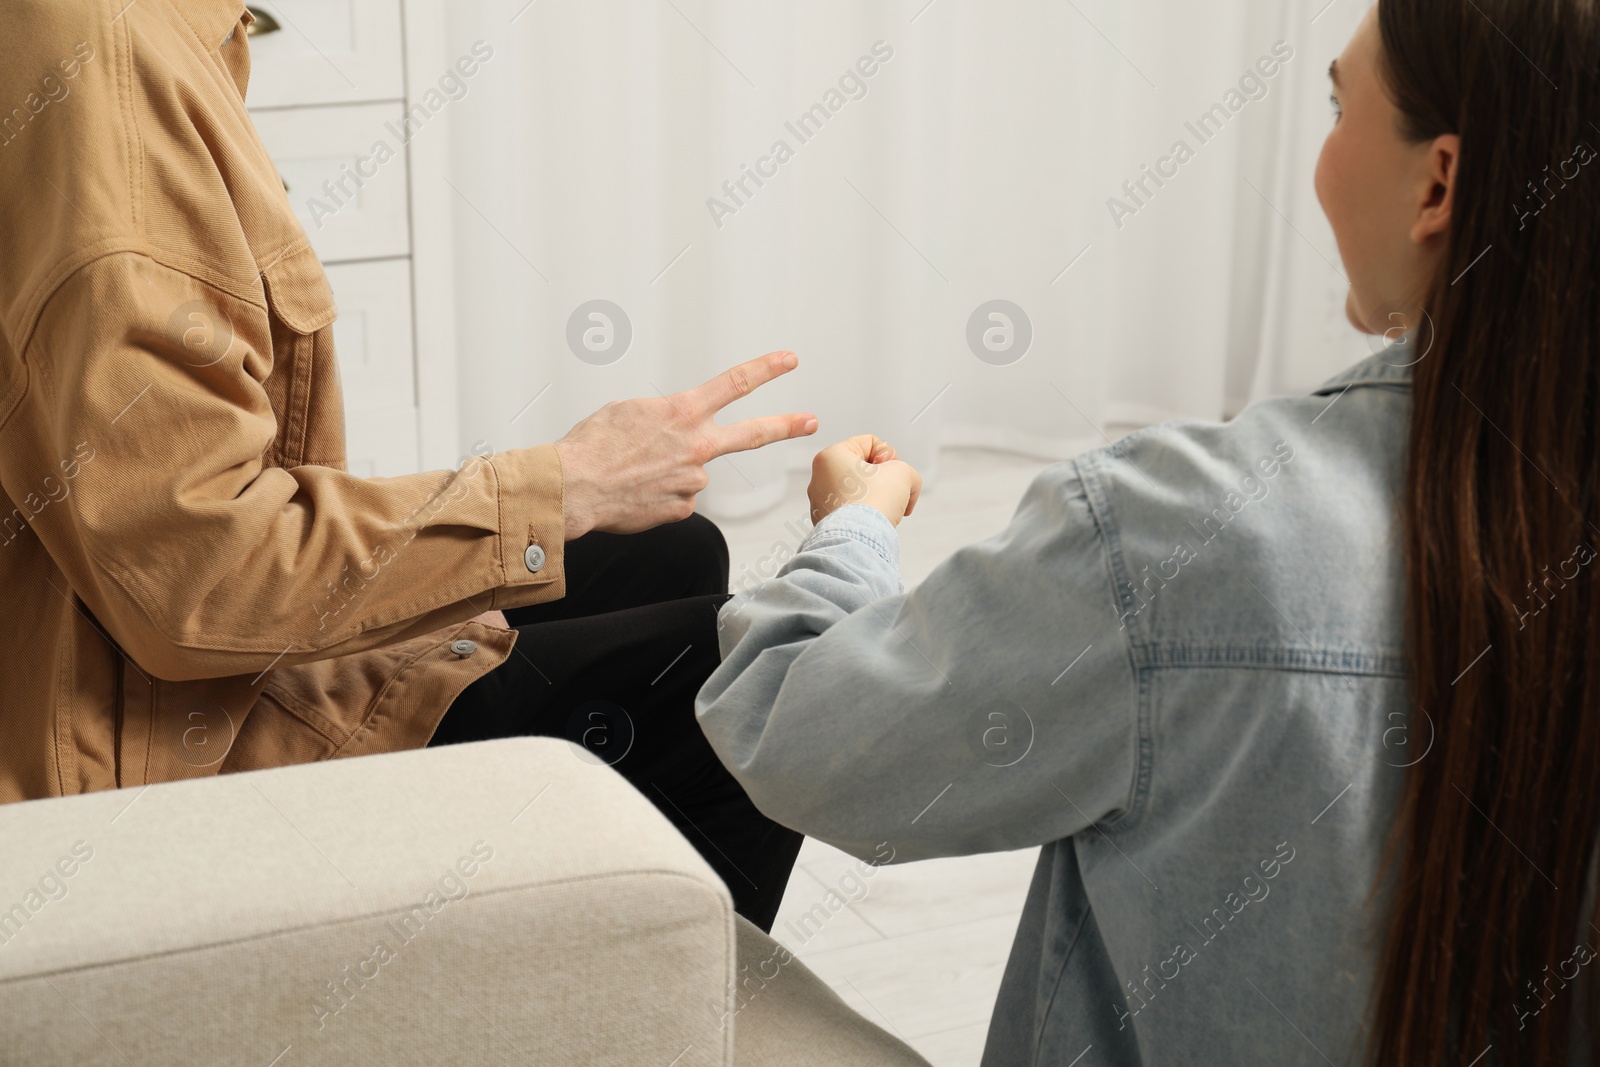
x,y
614,666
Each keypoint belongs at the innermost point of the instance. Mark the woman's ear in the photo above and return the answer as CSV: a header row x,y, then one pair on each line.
x,y
1440,157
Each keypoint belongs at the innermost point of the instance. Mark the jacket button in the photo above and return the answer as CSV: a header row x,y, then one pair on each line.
x,y
463,648
534,558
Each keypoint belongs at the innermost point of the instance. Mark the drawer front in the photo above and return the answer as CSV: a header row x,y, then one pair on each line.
x,y
382,444
373,334
346,172
326,52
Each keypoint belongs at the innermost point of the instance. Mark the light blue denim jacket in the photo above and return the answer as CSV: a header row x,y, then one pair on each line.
x,y
1179,670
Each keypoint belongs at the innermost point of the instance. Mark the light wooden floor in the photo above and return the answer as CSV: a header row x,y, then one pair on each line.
x,y
921,951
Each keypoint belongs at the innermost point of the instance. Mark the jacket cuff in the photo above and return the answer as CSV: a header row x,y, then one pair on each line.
x,y
858,522
533,522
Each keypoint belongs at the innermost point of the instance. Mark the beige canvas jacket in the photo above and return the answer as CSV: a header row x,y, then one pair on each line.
x,y
190,580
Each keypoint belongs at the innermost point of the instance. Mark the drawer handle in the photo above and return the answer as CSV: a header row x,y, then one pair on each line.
x,y
264,23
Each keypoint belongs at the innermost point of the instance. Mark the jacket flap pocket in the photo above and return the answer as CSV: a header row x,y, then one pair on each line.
x,y
298,292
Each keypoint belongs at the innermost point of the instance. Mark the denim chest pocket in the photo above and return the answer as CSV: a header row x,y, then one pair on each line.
x,y
297,291
301,382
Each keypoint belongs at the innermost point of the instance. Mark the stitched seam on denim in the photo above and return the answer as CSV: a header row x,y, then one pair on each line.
x,y
1105,522
300,713
62,726
561,514
505,539
133,134
1374,370
19,392
28,322
1066,957
833,537
1144,753
1144,772
1115,449
1178,655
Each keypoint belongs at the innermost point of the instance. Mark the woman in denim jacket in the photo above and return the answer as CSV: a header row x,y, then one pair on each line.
x,y
1304,708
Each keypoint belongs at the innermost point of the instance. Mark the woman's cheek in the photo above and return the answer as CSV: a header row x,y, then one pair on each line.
x,y
1333,194
1319,178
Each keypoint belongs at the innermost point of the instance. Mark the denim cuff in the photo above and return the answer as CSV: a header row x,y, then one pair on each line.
x,y
858,522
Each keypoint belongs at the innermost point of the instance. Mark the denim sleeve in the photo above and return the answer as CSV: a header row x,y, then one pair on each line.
x,y
993,707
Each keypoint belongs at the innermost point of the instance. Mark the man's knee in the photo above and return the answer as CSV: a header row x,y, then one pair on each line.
x,y
701,552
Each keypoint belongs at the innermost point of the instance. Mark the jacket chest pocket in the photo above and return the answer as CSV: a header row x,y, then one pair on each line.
x,y
303,385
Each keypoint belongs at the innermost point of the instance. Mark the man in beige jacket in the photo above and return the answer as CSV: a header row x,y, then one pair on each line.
x,y
194,583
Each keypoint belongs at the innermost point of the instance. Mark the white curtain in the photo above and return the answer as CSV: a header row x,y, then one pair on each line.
x,y
975,164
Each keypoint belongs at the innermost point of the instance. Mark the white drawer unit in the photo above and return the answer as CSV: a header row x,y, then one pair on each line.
x,y
326,52
373,334
351,197
329,94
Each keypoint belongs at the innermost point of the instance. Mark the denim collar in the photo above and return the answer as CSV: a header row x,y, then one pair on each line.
x,y
1392,366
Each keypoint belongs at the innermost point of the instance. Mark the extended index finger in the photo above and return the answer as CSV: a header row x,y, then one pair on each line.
x,y
731,384
762,431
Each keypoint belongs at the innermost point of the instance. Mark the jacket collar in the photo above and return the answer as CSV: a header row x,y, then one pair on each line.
x,y
1392,366
215,20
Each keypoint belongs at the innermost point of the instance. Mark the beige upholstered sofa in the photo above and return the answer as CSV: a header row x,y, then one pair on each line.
x,y
511,902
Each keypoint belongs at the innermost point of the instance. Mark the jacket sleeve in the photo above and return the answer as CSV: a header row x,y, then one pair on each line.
x,y
994,707
142,470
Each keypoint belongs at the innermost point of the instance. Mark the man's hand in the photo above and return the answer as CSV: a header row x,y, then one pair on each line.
x,y
636,464
863,470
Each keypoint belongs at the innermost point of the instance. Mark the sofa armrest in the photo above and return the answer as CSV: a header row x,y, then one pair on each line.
x,y
786,1014
503,902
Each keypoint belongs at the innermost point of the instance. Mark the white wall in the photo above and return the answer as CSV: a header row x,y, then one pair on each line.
x,y
977,166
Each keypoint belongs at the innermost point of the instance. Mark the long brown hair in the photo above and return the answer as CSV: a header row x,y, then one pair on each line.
x,y
1490,929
